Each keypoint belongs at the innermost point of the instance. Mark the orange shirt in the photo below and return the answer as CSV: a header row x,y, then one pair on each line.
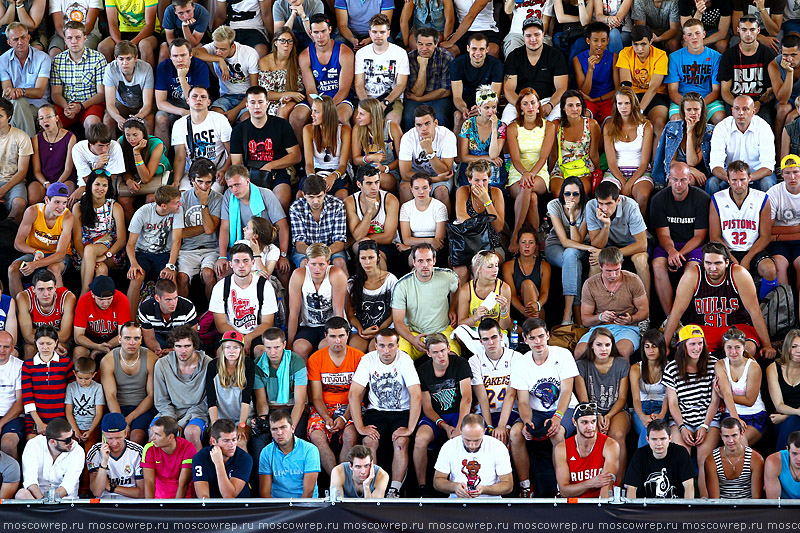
x,y
335,380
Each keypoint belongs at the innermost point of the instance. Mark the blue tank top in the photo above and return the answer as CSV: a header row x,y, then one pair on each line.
x,y
790,489
5,304
603,78
327,76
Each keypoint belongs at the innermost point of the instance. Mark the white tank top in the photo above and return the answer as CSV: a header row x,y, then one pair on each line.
x,y
333,160
317,305
739,388
651,391
629,154
739,225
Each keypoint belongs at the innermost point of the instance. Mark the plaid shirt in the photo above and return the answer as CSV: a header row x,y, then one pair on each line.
x,y
332,225
80,80
437,73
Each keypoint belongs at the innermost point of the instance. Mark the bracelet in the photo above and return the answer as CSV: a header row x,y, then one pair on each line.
x,y
487,204
704,426
81,104
343,418
559,415
682,426
439,421
365,159
225,257
139,163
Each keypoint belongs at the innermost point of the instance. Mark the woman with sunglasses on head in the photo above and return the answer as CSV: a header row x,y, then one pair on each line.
x,y
603,380
529,292
783,379
145,163
369,297
229,385
566,244
376,141
99,234
739,374
485,296
530,139
687,140
483,137
52,155
693,399
478,198
577,143
648,391
279,74
628,138
326,144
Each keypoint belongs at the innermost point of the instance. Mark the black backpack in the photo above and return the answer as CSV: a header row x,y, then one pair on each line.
x,y
226,291
778,310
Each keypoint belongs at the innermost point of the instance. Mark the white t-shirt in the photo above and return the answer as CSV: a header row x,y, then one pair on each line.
x,y
208,138
248,15
10,383
483,467
77,10
494,375
423,223
388,384
269,253
84,158
543,382
243,63
484,21
381,71
243,304
784,205
530,8
444,145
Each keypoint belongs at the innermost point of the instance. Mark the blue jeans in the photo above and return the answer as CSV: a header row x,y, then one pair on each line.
x,y
618,40
714,184
570,260
790,26
648,407
784,429
442,106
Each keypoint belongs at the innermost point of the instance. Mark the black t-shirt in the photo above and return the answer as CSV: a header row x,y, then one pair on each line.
x,y
446,390
775,7
239,466
682,218
659,478
712,14
260,146
540,76
473,77
749,73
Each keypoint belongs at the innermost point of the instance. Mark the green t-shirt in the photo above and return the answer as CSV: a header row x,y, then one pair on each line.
x,y
267,377
426,304
130,14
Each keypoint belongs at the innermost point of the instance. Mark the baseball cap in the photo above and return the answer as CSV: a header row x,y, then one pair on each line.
x,y
102,287
790,160
532,21
57,189
585,409
113,422
690,332
234,336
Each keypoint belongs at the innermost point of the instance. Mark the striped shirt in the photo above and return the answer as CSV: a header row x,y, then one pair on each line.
x,y
44,385
151,317
80,80
734,489
694,394
124,470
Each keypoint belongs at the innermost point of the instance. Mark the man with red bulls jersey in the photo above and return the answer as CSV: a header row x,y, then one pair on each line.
x,y
586,463
44,303
717,296
740,217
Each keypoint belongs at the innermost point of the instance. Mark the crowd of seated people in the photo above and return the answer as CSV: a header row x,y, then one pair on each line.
x,y
240,268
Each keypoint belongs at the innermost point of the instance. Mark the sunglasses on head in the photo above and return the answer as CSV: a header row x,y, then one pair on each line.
x,y
102,172
586,408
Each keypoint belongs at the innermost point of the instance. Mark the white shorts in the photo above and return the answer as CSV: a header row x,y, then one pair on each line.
x,y
191,262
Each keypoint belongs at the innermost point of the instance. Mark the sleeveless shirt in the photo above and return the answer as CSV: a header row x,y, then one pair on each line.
x,y
42,237
583,468
719,305
317,305
131,390
327,75
55,315
349,487
739,225
734,489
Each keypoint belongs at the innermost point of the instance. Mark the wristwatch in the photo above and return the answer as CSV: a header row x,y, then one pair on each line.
x,y
283,254
430,156
109,255
387,103
170,266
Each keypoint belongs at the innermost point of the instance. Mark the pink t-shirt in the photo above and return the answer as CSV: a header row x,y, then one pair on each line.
x,y
168,467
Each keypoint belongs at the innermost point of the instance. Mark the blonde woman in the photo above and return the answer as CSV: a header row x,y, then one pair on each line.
x,y
783,379
483,137
326,144
229,384
628,139
376,140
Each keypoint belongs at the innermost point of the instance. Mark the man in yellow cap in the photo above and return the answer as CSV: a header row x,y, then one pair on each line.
x,y
716,296
784,199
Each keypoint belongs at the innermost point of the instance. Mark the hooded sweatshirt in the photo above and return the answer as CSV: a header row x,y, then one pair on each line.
x,y
181,397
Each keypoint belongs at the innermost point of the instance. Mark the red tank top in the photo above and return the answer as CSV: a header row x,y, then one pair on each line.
x,y
583,468
54,317
719,305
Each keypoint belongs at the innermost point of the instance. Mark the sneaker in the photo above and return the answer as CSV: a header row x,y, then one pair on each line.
x,y
644,326
392,493
525,492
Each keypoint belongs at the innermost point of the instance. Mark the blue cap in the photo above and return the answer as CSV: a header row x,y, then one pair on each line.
x,y
113,423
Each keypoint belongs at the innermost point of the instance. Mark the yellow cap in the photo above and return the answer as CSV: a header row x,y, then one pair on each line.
x,y
790,160
690,332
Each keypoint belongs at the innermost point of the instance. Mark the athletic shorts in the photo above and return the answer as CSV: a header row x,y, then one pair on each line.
x,y
760,256
714,335
386,422
192,262
658,100
694,255
316,423
438,433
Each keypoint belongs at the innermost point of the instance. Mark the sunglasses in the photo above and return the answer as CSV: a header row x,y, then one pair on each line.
x,y
586,407
574,193
102,172
486,96
67,440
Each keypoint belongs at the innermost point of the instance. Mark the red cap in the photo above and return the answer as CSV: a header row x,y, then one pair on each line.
x,y
234,336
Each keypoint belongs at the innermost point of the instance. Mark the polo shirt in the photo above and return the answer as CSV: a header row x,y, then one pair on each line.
x,y
287,470
150,316
168,467
36,66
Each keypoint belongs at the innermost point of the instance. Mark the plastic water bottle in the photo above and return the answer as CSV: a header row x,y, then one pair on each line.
x,y
513,336
51,493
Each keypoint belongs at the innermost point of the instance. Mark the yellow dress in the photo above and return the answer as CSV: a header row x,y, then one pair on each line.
x,y
530,146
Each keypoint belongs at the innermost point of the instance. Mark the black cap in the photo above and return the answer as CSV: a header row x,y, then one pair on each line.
x,y
532,21
102,287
